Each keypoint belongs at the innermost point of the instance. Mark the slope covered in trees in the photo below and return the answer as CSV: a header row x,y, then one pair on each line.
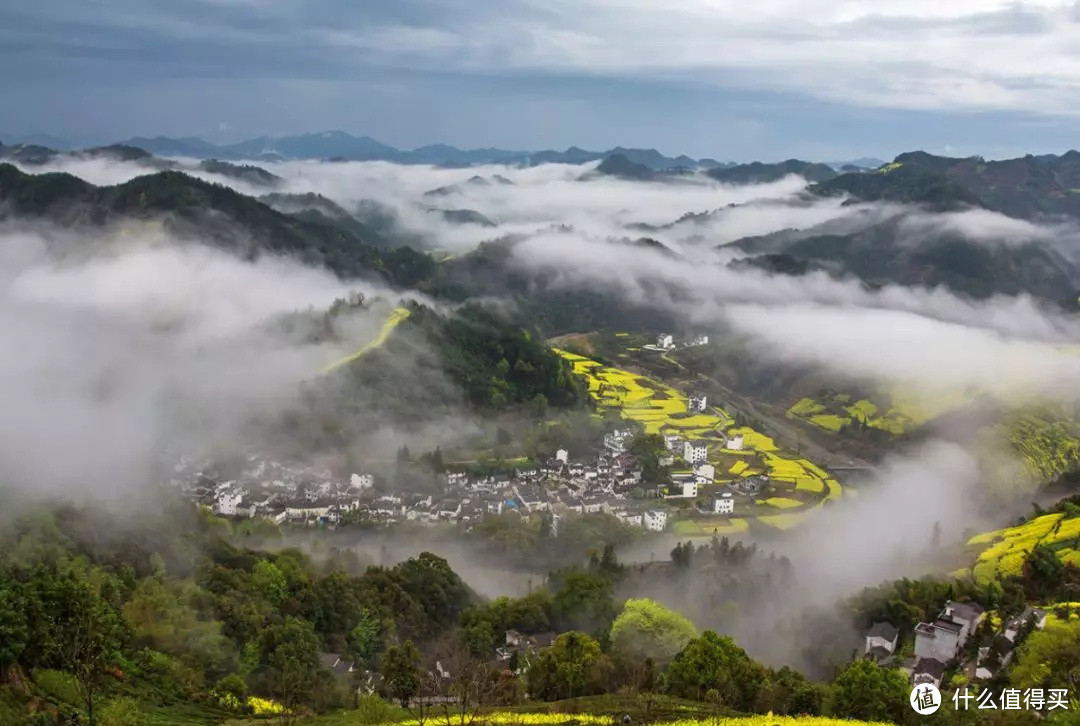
x,y
197,210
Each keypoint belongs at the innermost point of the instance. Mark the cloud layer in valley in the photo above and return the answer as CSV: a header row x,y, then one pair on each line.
x,y
573,228
146,345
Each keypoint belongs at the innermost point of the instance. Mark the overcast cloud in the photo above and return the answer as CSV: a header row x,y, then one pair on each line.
x,y
708,78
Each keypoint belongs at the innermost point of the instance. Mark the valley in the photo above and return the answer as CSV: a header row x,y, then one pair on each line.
x,y
433,438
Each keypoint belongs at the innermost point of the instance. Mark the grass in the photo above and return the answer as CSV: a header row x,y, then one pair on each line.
x,y
783,503
706,527
396,316
782,521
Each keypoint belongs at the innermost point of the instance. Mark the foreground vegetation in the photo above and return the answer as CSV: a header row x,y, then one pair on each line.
x,y
165,620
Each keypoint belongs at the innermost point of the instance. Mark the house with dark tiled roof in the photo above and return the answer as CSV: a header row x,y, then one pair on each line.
x,y
881,641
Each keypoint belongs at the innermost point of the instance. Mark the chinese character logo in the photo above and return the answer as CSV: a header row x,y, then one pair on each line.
x,y
925,699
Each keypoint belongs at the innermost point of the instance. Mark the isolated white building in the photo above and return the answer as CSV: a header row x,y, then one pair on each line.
x,y
683,485
698,340
562,455
665,341
655,520
697,402
734,443
673,442
227,499
724,504
881,641
362,481
695,452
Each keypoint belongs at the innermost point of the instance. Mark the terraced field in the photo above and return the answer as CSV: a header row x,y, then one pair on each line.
x,y
661,409
1003,552
1048,447
900,413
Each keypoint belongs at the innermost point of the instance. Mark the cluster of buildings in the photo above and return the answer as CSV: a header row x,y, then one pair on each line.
x,y
941,644
666,341
303,494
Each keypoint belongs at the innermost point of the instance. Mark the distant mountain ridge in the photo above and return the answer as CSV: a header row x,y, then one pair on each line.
x,y
1027,187
339,145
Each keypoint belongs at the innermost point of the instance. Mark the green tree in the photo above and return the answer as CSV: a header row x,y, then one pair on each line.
x,y
715,662
88,635
13,627
869,692
365,640
1049,658
647,629
289,663
788,692
400,669
567,669
269,581
584,602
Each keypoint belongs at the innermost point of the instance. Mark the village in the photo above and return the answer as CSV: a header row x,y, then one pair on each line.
x,y
609,481
961,640
702,481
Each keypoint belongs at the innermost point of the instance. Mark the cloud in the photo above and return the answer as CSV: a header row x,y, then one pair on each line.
x,y
572,228
113,357
977,55
908,349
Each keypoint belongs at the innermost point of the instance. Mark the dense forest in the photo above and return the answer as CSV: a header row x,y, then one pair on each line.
x,y
169,617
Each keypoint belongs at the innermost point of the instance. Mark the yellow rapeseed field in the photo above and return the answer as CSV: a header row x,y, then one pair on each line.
x,y
661,409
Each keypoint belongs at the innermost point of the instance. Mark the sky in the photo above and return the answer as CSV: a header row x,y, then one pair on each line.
x,y
818,79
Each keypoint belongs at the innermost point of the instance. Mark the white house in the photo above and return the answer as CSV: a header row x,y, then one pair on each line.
x,y
683,485
939,640
362,481
942,639
695,452
724,504
655,520
673,442
616,440
562,455
881,641
698,340
665,341
697,402
928,670
704,473
734,443
227,500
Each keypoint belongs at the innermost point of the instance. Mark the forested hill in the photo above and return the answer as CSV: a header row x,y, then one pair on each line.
x,y
1027,187
163,618
198,210
890,251
437,366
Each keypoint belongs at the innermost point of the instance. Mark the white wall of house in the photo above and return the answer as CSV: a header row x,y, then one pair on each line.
x,y
694,452
724,504
655,520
